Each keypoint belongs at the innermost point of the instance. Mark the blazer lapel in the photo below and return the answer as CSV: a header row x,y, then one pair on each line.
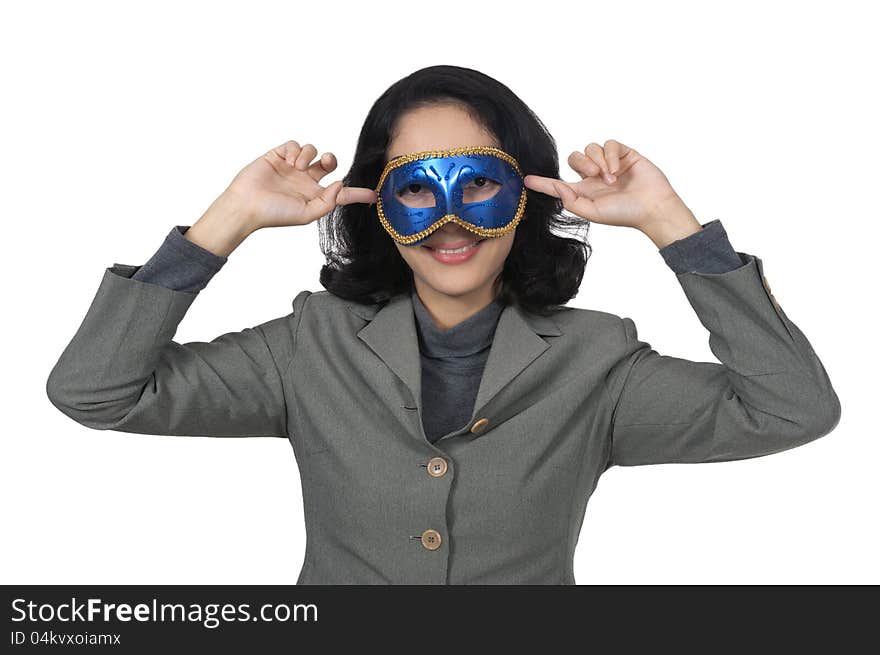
x,y
517,343
391,334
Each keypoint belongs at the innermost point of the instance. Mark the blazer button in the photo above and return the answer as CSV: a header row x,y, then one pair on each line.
x,y
431,539
770,293
437,467
479,425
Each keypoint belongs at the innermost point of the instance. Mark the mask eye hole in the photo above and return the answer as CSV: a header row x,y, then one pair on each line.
x,y
480,189
416,195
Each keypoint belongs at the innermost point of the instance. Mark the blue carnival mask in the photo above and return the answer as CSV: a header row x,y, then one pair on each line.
x,y
479,187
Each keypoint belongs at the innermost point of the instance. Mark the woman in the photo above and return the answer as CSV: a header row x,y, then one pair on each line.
x,y
450,417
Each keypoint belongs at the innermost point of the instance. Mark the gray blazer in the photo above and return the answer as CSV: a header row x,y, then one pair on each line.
x,y
501,501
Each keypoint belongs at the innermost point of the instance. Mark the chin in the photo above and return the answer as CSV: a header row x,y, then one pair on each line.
x,y
454,287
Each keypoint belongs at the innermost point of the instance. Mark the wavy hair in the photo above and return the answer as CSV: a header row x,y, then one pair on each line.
x,y
546,263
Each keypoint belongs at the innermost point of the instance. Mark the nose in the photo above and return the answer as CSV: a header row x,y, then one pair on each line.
x,y
454,229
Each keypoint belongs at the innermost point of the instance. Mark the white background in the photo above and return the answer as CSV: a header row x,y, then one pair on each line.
x,y
121,121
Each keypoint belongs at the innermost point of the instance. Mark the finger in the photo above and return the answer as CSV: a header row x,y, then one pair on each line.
x,y
583,165
626,156
579,205
612,155
323,202
288,151
283,156
594,151
306,155
541,184
326,164
351,194
583,207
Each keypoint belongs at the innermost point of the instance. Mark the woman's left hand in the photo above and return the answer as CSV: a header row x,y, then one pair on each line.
x,y
621,187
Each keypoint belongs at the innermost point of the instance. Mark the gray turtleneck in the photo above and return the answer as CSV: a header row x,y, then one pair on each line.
x,y
452,365
453,359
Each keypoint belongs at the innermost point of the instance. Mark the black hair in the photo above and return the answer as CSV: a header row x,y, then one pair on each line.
x,y
543,269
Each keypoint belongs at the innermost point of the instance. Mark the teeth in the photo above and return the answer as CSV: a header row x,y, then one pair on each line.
x,y
455,250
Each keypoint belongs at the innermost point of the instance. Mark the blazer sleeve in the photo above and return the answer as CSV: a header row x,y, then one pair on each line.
x,y
769,393
123,371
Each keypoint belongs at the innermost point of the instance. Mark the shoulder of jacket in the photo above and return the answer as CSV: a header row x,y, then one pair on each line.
x,y
313,298
326,303
578,319
300,299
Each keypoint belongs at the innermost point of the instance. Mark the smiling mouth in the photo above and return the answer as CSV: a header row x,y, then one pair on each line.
x,y
452,251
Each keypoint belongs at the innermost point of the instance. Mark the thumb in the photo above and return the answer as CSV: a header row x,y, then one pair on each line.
x,y
565,193
324,202
328,196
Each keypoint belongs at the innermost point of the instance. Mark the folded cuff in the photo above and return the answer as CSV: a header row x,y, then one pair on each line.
x,y
706,251
180,264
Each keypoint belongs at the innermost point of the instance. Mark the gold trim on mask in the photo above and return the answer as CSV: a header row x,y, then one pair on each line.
x,y
449,152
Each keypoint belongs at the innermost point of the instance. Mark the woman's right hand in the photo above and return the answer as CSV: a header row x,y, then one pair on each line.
x,y
282,187
278,188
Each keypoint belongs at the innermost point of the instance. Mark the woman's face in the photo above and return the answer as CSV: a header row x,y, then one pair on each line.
x,y
474,274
